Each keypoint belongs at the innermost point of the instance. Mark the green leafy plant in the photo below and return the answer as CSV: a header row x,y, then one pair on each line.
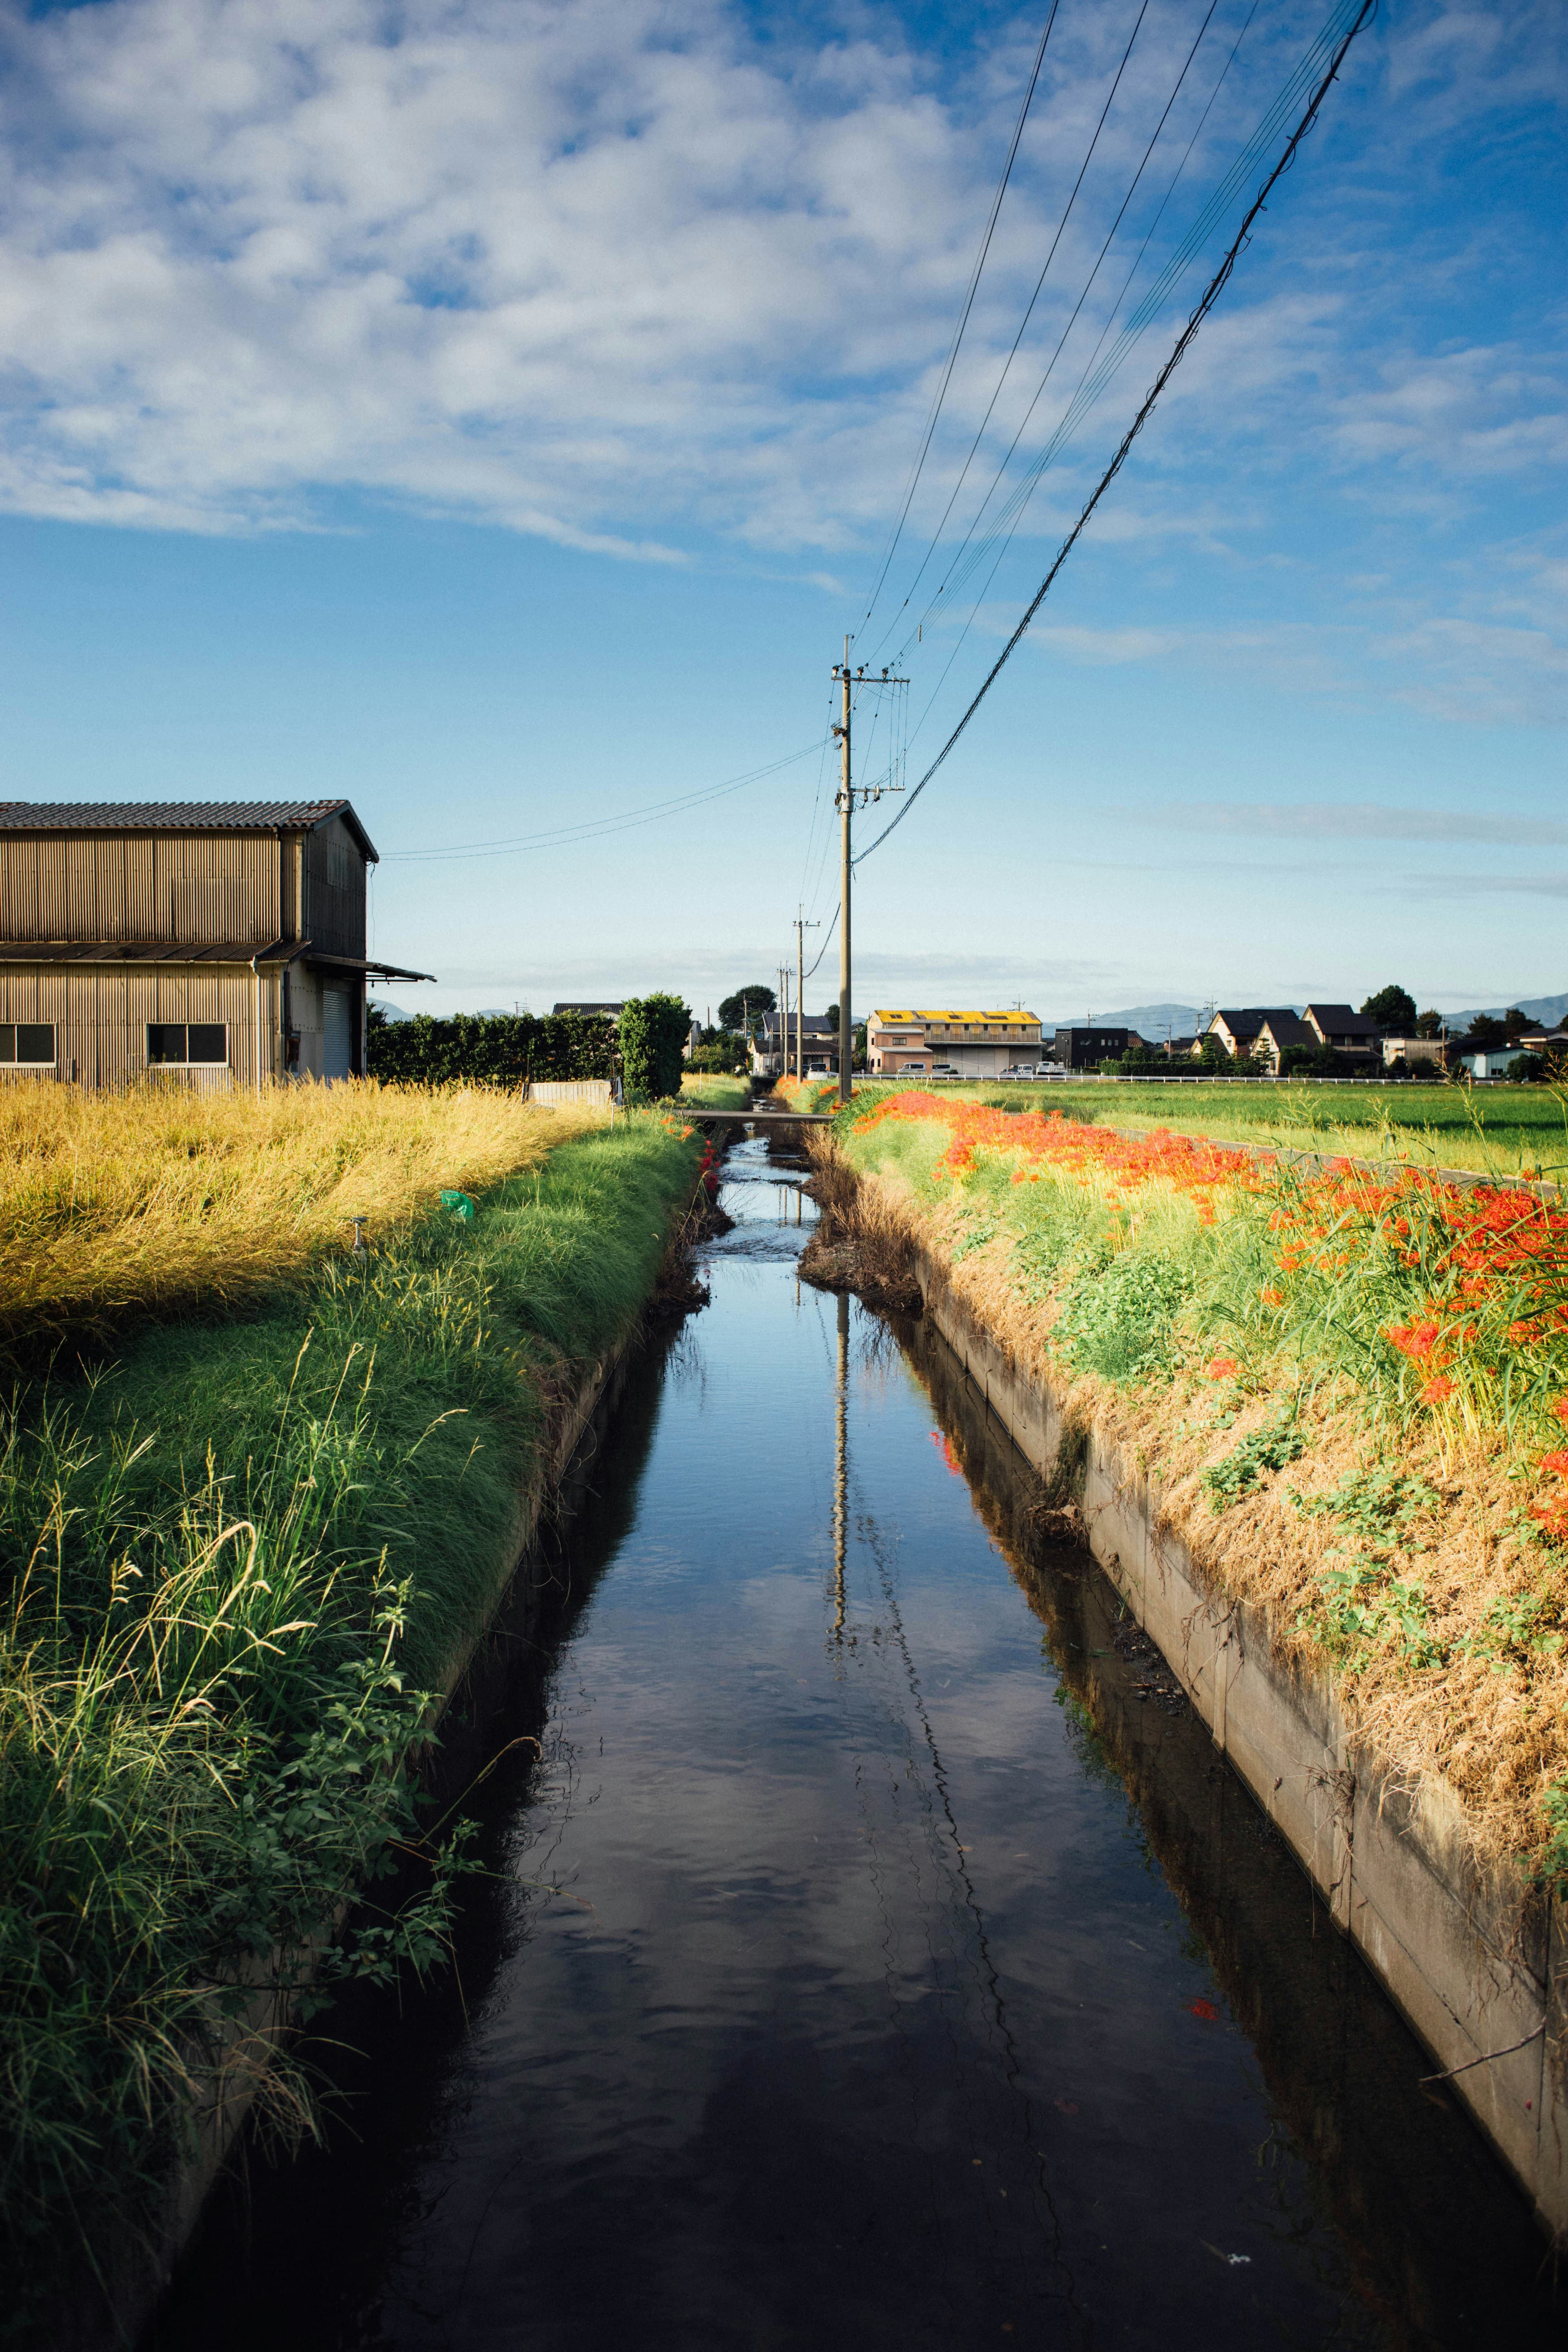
x,y
1120,1324
654,1031
1270,1448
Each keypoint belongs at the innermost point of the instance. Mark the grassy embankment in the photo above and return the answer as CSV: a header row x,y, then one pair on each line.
x,y
238,1558
713,1091
1350,1389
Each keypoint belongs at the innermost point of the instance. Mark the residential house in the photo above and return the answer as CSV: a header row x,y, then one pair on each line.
x,y
976,1043
1086,1048
214,943
1238,1027
1413,1051
1484,1061
1275,1031
1347,1031
773,1049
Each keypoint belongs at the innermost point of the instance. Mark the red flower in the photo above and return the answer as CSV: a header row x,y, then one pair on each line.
x,y
1222,1367
1435,1390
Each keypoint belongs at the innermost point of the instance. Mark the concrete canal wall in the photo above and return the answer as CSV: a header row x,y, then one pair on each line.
x,y
1478,1962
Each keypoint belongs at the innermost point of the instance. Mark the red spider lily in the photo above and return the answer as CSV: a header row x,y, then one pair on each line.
x,y
1435,1390
1272,1298
1416,1339
1221,1368
944,1444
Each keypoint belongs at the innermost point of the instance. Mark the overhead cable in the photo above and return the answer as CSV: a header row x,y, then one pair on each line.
x,y
1095,378
563,836
1061,340
964,315
1030,312
1211,294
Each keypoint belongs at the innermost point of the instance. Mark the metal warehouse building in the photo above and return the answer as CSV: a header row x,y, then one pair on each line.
x,y
217,943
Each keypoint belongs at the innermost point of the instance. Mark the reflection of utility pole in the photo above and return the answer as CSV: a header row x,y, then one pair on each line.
x,y
841,1470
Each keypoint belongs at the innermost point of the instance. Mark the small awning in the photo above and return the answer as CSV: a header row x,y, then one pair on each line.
x,y
276,951
143,951
368,965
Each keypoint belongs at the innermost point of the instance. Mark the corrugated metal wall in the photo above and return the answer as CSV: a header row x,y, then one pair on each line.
x,y
100,1013
335,890
182,890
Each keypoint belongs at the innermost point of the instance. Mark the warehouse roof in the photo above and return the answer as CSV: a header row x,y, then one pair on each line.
x,y
179,816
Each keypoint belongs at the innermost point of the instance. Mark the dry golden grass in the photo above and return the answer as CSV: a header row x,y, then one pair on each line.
x,y
1492,1728
153,1203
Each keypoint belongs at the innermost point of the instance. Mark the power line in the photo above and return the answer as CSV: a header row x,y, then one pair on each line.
x,y
1094,379
563,836
1030,312
1210,296
1067,330
964,315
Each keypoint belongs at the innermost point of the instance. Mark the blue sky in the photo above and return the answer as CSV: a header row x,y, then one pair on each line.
x,y
498,414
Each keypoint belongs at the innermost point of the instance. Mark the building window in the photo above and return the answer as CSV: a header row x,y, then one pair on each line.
x,y
30,1043
175,1045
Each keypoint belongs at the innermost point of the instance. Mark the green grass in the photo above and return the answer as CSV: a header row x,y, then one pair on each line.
x,y
714,1091
1495,1129
235,1564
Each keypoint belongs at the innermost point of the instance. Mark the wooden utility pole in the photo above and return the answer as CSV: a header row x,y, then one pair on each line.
x,y
847,790
846,812
801,929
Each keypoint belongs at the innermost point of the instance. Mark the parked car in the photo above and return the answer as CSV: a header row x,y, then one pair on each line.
x,y
944,1070
1017,1071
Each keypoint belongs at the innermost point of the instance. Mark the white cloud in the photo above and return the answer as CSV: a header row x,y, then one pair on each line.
x,y
616,272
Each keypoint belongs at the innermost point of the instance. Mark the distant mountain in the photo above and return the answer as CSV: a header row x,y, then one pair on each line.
x,y
1548,1010
392,1012
1151,1020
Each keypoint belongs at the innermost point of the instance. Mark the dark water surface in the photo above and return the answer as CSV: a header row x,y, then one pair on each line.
x,y
877,1954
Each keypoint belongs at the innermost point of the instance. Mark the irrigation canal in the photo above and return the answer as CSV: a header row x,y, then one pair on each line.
x,y
876,1952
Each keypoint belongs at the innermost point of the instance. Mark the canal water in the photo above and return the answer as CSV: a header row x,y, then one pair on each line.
x,y
875,1951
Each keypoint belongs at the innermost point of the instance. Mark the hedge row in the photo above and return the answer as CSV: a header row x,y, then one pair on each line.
x,y
505,1049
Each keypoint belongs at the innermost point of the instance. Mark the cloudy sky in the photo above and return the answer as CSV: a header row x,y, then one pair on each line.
x,y
499,412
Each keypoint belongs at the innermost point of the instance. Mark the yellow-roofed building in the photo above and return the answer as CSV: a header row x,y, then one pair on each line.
x,y
977,1044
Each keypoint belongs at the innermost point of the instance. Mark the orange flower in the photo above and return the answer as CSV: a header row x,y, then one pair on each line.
x,y
1435,1390
1557,1462
1272,1298
1221,1368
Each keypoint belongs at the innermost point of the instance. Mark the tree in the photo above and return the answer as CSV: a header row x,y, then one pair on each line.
x,y
1393,1009
1213,1055
1428,1024
1486,1029
747,1007
654,1030
1514,1023
1296,1057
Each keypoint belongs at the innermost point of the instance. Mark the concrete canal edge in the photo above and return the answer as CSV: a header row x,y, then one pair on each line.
x,y
1478,1962
114,2308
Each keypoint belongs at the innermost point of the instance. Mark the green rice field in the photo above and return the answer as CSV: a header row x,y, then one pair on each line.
x,y
1499,1131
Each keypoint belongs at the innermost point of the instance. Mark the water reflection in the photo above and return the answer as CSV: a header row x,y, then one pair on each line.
x,y
865,1960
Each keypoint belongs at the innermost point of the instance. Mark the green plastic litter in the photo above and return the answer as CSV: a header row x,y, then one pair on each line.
x,y
462,1204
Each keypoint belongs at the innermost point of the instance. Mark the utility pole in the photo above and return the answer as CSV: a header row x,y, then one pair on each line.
x,y
846,792
801,929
